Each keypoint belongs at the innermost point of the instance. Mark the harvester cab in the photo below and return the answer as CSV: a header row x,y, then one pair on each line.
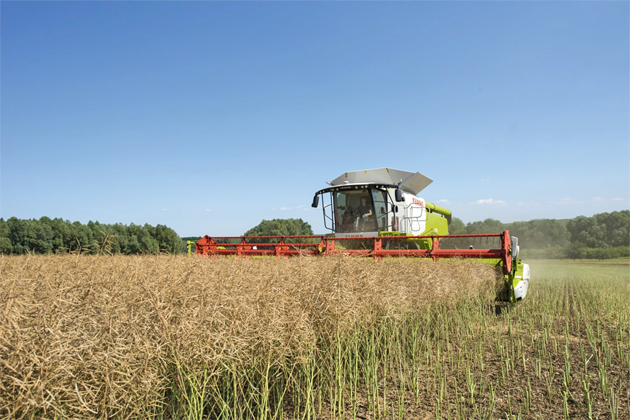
x,y
381,202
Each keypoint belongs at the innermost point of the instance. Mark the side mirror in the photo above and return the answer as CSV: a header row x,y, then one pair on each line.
x,y
515,247
315,201
399,195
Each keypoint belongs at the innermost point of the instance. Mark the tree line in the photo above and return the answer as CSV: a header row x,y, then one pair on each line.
x,y
58,236
604,235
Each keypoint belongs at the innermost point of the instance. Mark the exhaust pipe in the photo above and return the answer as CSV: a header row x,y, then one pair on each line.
x,y
439,210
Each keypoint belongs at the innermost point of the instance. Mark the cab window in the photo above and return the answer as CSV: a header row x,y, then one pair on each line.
x,y
380,207
355,212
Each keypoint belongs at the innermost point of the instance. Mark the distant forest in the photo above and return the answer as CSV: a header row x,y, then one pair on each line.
x,y
57,236
604,235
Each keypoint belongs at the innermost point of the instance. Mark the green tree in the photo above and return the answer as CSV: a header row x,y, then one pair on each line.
x,y
487,226
83,237
168,240
456,227
603,229
142,241
5,243
30,236
58,236
617,227
281,227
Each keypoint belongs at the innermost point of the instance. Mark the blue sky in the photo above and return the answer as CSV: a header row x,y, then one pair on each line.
x,y
209,117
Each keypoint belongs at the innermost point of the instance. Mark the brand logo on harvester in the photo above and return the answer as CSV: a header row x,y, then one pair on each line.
x,y
418,201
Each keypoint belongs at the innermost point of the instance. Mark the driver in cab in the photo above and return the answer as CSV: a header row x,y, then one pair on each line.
x,y
364,209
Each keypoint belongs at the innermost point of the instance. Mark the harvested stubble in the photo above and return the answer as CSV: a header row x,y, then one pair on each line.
x,y
177,337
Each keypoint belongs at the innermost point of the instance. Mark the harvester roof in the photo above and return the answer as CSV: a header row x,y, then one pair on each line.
x,y
411,182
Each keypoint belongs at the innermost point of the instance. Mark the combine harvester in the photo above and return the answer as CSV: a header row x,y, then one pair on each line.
x,y
377,213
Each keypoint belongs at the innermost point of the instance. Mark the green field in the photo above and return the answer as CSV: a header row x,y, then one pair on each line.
x,y
577,321
607,269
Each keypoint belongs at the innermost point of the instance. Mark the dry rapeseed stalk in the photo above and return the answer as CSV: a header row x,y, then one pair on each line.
x,y
104,337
